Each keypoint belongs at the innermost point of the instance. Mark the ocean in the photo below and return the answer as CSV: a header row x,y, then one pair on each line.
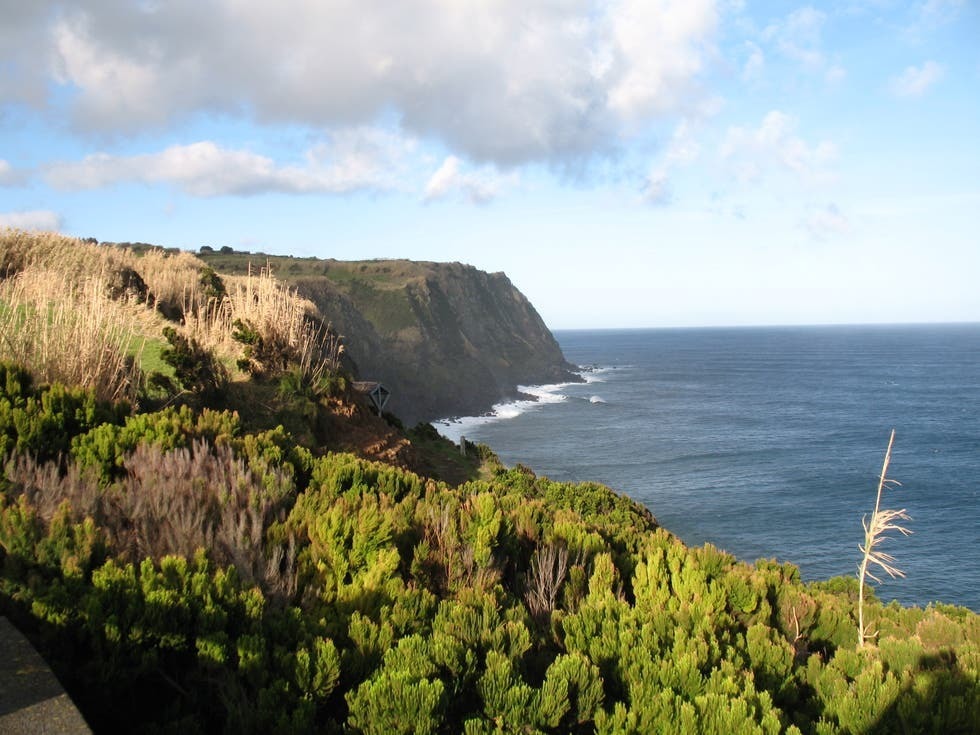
x,y
768,442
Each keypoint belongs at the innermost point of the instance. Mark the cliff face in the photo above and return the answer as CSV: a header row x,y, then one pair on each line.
x,y
446,338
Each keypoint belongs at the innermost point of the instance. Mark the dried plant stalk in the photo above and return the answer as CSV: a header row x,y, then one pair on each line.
x,y
882,521
72,333
549,567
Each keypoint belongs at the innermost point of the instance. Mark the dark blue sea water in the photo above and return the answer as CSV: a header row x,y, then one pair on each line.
x,y
768,442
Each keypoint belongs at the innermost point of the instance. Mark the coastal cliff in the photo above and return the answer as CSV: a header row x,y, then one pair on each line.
x,y
445,338
285,560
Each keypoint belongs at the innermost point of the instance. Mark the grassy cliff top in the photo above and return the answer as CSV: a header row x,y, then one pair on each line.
x,y
382,273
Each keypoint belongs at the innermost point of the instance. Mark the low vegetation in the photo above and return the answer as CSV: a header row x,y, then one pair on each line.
x,y
183,571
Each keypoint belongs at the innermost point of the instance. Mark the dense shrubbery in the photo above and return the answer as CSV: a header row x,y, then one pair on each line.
x,y
180,574
196,369
42,421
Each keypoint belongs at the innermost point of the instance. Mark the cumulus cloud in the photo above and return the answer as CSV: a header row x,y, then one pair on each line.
x,y
449,179
682,150
916,80
798,36
774,145
37,219
507,82
926,18
23,32
940,12
9,176
653,43
350,160
824,222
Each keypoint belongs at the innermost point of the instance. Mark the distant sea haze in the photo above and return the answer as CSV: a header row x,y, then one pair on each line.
x,y
768,442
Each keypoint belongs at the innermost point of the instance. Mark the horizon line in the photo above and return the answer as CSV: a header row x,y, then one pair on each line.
x,y
772,325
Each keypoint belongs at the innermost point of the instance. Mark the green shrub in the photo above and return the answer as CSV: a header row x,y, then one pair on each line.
x,y
104,448
211,284
185,575
196,368
43,421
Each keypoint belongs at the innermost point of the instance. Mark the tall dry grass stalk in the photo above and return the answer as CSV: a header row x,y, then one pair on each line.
x,y
268,305
543,581
171,277
276,312
56,318
73,333
70,257
20,250
882,521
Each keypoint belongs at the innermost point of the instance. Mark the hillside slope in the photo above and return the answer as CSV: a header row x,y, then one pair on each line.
x,y
446,338
205,556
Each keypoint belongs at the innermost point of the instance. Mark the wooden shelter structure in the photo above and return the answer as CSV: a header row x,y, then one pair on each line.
x,y
375,391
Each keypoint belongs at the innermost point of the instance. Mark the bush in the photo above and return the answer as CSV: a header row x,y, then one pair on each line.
x,y
211,284
43,421
186,576
105,448
196,369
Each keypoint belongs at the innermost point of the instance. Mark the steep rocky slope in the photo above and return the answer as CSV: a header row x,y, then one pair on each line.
x,y
446,338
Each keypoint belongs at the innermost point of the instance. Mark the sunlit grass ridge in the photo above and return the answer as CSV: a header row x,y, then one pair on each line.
x,y
64,314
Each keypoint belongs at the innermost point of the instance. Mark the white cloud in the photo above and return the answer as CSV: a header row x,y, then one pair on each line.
x,y
479,188
656,188
799,36
774,145
916,80
928,17
23,33
824,222
9,176
835,73
653,42
940,12
504,82
38,219
755,64
350,160
682,150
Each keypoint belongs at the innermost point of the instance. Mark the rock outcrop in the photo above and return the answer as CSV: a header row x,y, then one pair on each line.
x,y
446,338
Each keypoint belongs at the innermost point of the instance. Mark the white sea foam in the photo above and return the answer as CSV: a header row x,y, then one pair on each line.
x,y
543,395
595,374
596,399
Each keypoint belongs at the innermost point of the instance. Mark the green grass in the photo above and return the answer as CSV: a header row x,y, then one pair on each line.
x,y
444,461
152,358
284,267
388,310
391,273
376,287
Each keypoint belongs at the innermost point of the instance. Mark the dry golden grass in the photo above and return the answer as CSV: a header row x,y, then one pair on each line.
x,y
57,317
882,521
50,251
73,333
171,277
273,310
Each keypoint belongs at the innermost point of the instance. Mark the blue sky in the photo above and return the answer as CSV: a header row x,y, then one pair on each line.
x,y
627,164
